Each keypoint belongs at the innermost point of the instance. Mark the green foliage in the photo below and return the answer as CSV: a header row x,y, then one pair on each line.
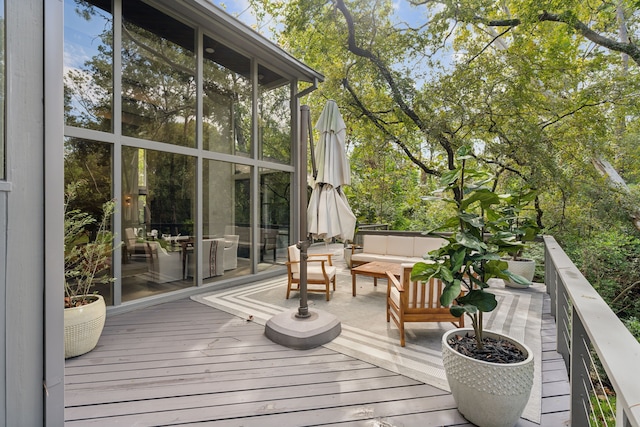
x,y
633,324
468,261
605,411
509,222
87,261
610,261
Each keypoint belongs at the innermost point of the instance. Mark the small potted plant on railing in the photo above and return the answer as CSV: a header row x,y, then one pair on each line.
x,y
512,230
87,263
465,265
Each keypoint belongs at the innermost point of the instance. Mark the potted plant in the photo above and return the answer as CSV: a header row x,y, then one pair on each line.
x,y
512,230
87,263
490,386
350,247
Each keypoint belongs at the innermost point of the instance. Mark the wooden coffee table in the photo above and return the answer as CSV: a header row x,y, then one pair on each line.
x,y
375,269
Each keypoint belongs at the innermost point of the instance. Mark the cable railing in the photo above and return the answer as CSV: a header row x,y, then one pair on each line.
x,y
596,347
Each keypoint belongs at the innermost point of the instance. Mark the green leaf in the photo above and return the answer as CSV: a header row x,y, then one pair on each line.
x,y
457,259
449,177
423,271
450,293
474,220
484,301
460,310
485,196
496,268
463,153
444,274
469,241
516,278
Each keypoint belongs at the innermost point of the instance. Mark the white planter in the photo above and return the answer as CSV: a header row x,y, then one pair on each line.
x,y
488,394
347,255
524,267
83,326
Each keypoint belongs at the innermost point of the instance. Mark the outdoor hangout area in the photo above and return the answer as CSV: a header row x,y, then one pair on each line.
x,y
319,213
206,359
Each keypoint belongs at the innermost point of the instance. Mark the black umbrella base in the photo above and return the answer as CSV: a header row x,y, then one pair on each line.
x,y
291,331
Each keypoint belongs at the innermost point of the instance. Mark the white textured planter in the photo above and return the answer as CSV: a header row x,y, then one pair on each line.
x,y
524,267
488,394
83,326
347,255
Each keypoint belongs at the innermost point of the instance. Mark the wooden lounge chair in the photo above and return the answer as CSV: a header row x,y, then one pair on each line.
x,y
320,271
415,301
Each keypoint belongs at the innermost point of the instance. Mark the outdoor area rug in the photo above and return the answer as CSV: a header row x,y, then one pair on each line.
x,y
366,335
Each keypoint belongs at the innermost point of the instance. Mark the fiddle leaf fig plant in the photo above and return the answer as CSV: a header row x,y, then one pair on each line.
x,y
510,227
467,262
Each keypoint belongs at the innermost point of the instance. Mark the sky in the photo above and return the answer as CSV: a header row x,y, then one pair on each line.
x,y
242,10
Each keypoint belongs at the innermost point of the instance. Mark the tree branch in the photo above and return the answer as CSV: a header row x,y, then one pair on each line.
x,y
388,77
570,19
376,122
489,44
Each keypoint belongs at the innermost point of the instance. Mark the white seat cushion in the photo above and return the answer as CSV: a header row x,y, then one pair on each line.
x,y
314,272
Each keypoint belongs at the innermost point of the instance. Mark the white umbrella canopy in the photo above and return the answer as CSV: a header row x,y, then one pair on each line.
x,y
329,214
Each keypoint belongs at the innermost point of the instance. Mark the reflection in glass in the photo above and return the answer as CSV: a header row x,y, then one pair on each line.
x,y
226,100
89,163
275,211
275,123
88,63
225,218
158,191
158,76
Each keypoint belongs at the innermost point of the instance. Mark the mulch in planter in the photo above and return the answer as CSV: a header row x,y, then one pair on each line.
x,y
494,350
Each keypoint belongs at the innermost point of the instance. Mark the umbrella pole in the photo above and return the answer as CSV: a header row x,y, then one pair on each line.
x,y
303,310
303,245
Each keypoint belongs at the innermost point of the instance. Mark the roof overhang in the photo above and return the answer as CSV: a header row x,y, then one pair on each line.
x,y
234,33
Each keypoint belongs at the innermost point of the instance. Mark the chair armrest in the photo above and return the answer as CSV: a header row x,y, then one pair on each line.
x,y
322,262
354,248
394,280
327,256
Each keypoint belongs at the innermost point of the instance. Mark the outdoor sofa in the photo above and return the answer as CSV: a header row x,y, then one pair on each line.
x,y
394,248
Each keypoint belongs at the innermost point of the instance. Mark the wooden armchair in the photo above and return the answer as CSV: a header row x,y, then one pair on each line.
x,y
415,301
320,271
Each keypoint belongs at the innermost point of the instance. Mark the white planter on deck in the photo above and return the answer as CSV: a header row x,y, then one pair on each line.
x,y
488,394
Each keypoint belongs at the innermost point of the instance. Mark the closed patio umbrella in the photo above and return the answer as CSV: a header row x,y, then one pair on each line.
x,y
329,214
304,329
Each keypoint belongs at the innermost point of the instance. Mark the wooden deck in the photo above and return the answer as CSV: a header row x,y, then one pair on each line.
x,y
184,363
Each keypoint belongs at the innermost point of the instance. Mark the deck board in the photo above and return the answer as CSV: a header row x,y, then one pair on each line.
x,y
184,363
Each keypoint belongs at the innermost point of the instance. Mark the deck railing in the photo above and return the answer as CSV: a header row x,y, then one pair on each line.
x,y
585,325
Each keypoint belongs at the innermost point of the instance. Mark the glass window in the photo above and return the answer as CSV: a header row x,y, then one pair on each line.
x,y
158,76
226,214
275,211
158,202
226,100
274,120
88,64
88,163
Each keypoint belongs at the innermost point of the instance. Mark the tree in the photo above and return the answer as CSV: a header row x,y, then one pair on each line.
x,y
535,101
